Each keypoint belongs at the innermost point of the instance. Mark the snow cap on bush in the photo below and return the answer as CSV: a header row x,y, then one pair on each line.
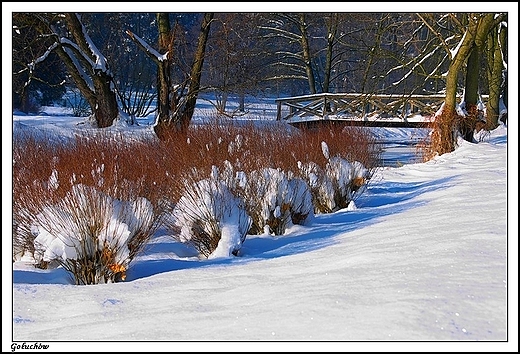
x,y
275,200
91,234
211,218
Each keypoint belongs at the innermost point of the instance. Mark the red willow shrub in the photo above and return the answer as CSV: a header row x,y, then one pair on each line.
x,y
125,168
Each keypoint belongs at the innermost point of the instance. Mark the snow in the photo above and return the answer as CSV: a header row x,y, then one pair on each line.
x,y
422,261
101,62
454,51
159,57
424,255
211,202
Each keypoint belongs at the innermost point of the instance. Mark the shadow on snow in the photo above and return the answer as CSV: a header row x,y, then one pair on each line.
x,y
378,200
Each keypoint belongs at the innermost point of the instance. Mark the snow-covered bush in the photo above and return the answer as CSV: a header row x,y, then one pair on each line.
x,y
334,187
340,171
360,177
301,207
348,179
275,200
321,187
92,235
209,217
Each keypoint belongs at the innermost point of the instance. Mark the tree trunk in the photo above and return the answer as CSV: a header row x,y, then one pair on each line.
x,y
307,54
106,109
444,134
164,105
467,124
102,100
331,37
495,67
447,122
173,121
196,73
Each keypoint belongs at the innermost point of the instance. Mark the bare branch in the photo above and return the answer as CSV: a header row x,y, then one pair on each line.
x,y
152,53
436,33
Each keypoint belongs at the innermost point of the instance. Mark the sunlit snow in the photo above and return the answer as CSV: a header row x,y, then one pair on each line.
x,y
426,253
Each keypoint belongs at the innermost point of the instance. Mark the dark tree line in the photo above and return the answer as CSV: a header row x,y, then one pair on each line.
x,y
137,61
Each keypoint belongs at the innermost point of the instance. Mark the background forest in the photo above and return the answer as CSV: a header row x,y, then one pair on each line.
x,y
422,255
273,54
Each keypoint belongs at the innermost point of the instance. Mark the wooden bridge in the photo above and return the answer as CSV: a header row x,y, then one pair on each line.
x,y
383,110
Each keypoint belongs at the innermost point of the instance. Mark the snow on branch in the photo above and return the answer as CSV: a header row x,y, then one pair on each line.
x,y
152,53
454,51
71,48
101,61
42,57
280,32
280,77
286,54
413,68
67,43
437,34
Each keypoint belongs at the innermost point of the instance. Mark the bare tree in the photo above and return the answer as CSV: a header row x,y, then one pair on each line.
x,y
86,65
233,60
35,81
331,22
176,103
292,57
496,56
475,31
349,52
134,74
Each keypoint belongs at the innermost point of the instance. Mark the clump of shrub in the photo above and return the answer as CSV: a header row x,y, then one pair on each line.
x,y
92,202
210,218
274,199
86,203
92,235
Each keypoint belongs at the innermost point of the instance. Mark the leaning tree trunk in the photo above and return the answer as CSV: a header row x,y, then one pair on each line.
x,y
196,73
448,122
86,66
102,99
444,134
307,54
467,123
174,121
495,65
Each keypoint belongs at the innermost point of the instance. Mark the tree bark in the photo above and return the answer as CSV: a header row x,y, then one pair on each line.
x,y
495,60
175,118
196,73
467,124
331,37
444,135
307,54
164,89
102,98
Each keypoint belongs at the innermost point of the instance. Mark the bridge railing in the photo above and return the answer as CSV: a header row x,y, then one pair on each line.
x,y
357,106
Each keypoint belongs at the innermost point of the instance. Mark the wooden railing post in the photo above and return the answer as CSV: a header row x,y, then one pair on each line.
x,y
324,109
320,106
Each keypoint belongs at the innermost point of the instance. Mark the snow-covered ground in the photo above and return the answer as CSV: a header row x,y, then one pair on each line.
x,y
427,260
